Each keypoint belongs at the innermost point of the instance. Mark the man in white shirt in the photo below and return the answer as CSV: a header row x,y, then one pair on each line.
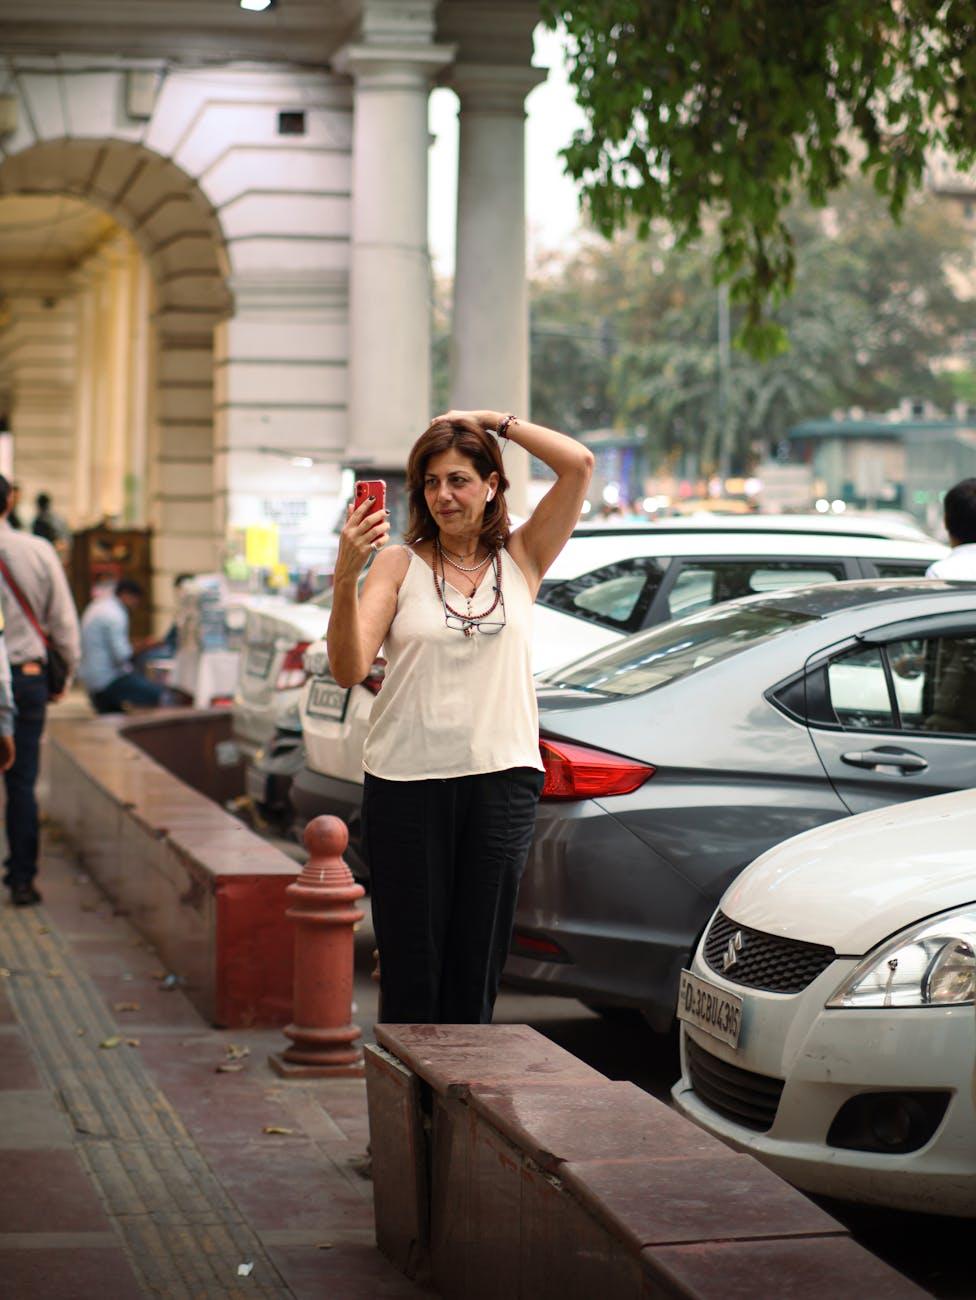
x,y
33,570
106,653
959,512
7,748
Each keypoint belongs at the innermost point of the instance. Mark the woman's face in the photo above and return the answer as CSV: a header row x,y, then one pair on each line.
x,y
456,493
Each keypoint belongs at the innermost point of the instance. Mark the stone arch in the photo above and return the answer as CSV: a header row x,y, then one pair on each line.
x,y
174,225
179,235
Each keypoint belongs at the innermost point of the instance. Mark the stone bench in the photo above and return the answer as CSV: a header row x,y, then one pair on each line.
x,y
206,891
503,1167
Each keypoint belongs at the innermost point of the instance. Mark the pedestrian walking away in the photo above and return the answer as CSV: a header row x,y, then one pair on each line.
x,y
46,523
107,654
452,766
6,707
13,514
41,632
959,514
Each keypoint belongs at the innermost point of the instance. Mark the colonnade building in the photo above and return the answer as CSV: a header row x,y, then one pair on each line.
x,y
215,284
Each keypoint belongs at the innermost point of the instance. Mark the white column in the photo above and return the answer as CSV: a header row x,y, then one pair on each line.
x,y
182,510
83,511
280,386
42,337
490,337
141,380
389,281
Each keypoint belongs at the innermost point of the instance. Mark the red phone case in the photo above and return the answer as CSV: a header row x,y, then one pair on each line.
x,y
370,488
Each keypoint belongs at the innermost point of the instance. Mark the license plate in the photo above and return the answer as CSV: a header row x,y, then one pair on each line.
x,y
327,700
709,1008
258,660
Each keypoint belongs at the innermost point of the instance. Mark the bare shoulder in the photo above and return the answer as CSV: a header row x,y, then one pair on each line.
x,y
389,567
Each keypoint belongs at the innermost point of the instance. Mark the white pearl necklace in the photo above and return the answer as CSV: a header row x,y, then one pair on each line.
x,y
463,568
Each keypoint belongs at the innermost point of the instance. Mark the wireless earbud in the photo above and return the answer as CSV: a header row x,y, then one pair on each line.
x,y
490,496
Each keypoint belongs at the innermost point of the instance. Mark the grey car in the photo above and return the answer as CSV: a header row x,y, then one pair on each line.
x,y
678,755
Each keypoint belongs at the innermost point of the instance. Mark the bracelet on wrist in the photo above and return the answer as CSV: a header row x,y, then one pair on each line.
x,y
503,423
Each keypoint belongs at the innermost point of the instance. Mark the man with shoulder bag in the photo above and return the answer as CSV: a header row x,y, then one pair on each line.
x,y
43,646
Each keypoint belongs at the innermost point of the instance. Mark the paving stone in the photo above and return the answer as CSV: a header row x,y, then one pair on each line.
x,y
649,1202
591,1121
452,1058
17,1068
820,1268
75,1273
282,1183
399,1154
347,1272
48,1191
32,1120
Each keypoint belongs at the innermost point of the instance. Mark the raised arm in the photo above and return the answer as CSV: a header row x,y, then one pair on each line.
x,y
537,542
360,620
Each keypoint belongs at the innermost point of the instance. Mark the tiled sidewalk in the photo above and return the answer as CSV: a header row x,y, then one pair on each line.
x,y
131,1166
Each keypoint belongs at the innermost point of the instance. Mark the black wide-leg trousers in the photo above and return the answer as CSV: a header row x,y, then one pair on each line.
x,y
445,859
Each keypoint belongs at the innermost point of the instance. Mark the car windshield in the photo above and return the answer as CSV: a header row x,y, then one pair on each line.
x,y
652,659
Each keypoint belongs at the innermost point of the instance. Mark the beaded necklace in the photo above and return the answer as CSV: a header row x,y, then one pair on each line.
x,y
468,619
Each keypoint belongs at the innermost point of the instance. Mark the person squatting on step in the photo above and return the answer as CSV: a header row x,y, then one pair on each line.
x,y
452,766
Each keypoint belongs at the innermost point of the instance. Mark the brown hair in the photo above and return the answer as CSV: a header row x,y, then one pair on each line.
x,y
484,453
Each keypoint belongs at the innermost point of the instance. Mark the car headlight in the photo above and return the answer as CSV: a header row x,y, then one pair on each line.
x,y
931,965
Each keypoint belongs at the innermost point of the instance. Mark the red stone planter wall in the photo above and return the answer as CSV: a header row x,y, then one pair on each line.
x,y
199,885
503,1167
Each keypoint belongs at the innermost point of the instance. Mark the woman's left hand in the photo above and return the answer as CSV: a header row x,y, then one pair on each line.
x,y
486,419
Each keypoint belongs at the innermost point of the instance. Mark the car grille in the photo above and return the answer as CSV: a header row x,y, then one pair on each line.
x,y
741,1096
764,961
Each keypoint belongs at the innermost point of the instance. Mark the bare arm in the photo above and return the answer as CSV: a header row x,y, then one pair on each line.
x,y
539,540
359,621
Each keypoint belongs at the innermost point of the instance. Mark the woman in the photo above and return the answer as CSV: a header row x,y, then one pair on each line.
x,y
452,763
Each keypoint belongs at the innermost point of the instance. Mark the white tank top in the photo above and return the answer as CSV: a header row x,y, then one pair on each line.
x,y
450,704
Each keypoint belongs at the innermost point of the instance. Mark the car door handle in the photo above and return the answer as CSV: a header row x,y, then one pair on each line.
x,y
903,759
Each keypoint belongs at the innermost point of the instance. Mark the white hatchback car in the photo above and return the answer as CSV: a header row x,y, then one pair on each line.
x,y
828,1023
608,582
277,633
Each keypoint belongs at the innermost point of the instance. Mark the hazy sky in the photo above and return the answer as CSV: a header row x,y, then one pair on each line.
x,y
550,196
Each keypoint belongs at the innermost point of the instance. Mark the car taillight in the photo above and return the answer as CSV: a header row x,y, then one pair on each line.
x,y
578,772
292,673
375,679
525,944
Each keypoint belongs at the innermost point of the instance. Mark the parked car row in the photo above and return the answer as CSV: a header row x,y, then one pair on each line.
x,y
728,688
607,584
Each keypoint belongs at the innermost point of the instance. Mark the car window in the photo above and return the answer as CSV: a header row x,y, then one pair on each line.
x,y
618,595
858,689
700,584
900,568
935,683
665,654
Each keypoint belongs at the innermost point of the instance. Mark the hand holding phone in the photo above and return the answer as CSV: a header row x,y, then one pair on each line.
x,y
366,488
367,527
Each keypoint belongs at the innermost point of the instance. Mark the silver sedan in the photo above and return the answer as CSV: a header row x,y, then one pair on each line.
x,y
675,757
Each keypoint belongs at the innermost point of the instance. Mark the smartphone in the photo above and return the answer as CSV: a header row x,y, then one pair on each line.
x,y
373,487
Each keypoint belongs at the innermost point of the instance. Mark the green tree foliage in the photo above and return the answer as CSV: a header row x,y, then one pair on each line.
x,y
717,116
877,306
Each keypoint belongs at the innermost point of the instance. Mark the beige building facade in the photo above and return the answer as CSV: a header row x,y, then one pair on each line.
x,y
215,283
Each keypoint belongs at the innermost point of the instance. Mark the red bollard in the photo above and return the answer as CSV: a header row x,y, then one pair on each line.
x,y
322,1033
